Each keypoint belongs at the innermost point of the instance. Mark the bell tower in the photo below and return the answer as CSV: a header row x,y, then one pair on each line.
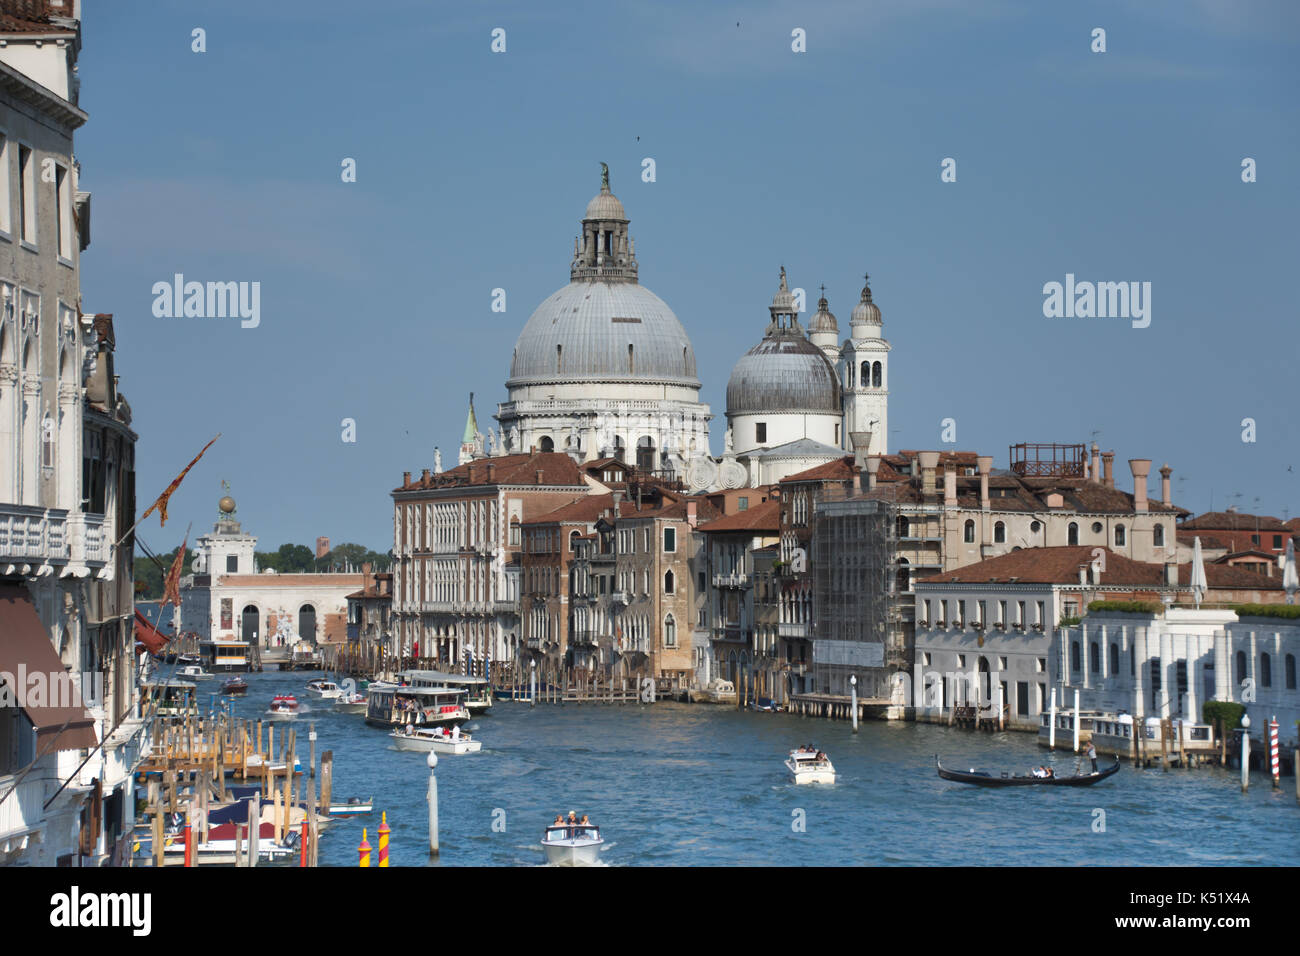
x,y
864,370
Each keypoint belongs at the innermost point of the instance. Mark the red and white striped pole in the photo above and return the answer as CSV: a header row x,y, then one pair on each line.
x,y
1272,753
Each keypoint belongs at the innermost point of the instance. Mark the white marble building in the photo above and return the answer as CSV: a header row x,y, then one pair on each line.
x,y
603,368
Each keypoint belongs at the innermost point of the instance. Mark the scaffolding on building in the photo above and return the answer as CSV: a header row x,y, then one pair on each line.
x,y
858,621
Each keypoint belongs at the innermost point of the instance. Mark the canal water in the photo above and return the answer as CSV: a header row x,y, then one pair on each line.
x,y
681,784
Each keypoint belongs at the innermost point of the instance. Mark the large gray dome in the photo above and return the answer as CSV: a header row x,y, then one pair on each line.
x,y
783,373
583,333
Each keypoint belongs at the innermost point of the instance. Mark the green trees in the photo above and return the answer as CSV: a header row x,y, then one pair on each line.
x,y
287,559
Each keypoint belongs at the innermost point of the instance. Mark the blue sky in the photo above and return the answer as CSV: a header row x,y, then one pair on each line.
x,y
473,170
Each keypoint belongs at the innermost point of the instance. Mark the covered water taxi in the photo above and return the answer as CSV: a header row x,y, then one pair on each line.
x,y
396,705
478,692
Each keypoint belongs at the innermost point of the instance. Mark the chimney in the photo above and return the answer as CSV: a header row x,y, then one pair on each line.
x,y
1165,472
532,449
469,472
1141,467
365,568
1083,574
1108,468
1094,466
985,463
617,497
692,514
873,466
861,442
1171,573
406,478
538,473
950,485
929,461
424,475
492,471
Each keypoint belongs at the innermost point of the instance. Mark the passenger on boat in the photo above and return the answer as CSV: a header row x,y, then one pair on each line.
x,y
559,820
573,819
1040,771
584,822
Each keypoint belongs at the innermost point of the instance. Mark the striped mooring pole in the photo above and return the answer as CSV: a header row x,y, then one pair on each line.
x,y
1272,753
364,849
189,841
383,839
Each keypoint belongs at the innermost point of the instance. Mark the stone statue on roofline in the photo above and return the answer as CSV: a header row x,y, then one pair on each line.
x,y
437,461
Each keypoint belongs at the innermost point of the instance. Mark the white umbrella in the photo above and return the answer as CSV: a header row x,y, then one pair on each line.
x,y
1198,582
1290,580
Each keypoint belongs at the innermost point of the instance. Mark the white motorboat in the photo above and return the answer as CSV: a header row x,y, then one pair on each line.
x,y
438,739
717,691
810,766
193,672
576,845
325,689
350,703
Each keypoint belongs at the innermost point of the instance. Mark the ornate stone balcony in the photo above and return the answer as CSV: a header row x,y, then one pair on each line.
x,y
32,536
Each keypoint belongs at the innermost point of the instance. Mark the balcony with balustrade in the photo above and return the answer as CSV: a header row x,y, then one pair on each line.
x,y
734,580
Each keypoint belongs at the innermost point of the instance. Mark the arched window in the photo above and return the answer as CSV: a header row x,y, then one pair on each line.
x,y
670,632
970,531
864,379
307,623
1074,655
1241,667
547,443
573,541
645,453
1114,658
47,442
904,581
1120,536
1265,671
559,358
631,363
1094,657
669,583
1290,672
903,528
1158,536
877,372
848,375
1072,533
999,532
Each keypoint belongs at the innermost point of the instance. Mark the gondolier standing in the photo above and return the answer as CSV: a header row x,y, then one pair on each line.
x,y
1092,755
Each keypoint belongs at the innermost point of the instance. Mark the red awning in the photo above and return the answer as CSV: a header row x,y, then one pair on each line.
x,y
25,649
148,635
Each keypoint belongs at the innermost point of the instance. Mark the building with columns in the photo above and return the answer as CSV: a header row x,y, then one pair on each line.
x,y
67,481
1021,622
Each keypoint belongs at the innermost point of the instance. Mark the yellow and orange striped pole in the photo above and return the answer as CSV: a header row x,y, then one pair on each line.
x,y
302,846
364,849
383,839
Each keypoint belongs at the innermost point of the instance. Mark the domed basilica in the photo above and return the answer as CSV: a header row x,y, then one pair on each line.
x,y
604,368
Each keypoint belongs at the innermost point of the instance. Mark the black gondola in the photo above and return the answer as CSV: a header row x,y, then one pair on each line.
x,y
981,779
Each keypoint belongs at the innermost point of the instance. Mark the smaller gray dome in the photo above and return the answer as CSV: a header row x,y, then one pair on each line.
x,y
783,373
866,311
824,320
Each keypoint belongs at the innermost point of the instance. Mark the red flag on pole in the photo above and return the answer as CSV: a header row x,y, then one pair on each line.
x,y
172,587
161,503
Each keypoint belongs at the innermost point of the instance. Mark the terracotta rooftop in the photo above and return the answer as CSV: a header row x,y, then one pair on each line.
x,y
761,517
1208,541
372,589
33,16
1232,521
556,468
1060,565
1057,565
